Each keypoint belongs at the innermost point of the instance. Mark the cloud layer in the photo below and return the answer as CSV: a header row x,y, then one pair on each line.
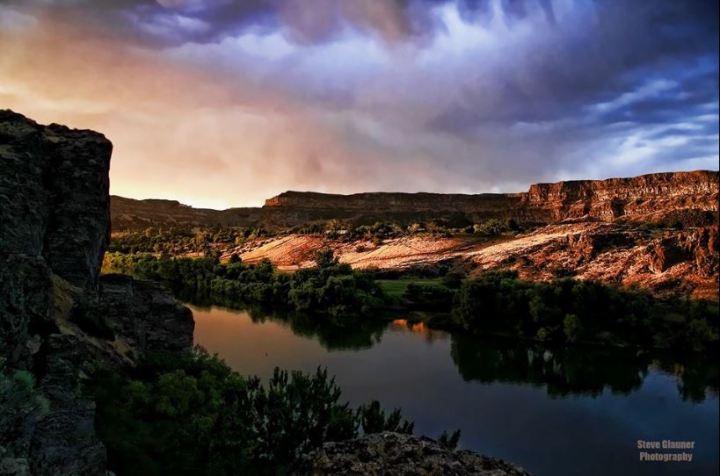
x,y
224,102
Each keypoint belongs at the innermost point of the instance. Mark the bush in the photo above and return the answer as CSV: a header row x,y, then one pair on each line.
x,y
193,415
449,441
492,227
373,420
429,296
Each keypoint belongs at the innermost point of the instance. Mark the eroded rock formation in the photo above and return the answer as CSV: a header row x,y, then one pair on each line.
x,y
56,320
686,197
647,197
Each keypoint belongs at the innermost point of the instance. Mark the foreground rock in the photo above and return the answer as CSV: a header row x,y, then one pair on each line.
x,y
399,454
55,322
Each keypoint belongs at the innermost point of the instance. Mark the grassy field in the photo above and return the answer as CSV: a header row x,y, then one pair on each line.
x,y
397,287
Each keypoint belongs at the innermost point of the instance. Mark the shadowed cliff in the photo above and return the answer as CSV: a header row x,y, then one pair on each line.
x,y
58,318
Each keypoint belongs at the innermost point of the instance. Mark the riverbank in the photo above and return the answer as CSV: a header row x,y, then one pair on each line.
x,y
564,311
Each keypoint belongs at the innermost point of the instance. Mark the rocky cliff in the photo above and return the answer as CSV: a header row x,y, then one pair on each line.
x,y
644,198
58,318
689,197
647,197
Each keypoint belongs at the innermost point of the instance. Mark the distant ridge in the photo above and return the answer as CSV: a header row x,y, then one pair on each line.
x,y
645,197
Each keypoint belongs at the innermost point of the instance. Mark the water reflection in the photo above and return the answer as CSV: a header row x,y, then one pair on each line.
x,y
562,371
554,411
420,328
331,333
586,371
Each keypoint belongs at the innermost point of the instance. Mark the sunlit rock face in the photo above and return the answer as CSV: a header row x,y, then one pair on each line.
x,y
646,197
688,197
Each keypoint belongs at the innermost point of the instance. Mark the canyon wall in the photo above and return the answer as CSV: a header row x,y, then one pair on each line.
x,y
643,197
690,197
397,202
58,317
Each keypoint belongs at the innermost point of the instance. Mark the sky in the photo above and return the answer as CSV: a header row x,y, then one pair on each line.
x,y
221,103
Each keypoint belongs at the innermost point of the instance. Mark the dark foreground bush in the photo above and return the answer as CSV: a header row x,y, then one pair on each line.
x,y
194,415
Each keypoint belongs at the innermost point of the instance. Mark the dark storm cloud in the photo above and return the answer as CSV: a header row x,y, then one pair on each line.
x,y
640,65
166,22
452,95
624,45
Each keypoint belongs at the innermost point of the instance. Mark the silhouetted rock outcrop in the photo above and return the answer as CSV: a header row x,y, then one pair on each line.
x,y
54,321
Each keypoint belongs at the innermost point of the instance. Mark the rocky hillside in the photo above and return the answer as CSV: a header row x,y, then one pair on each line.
x,y
130,214
666,261
690,197
658,232
58,317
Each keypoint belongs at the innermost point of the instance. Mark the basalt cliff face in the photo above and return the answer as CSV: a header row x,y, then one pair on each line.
x,y
58,316
644,198
689,197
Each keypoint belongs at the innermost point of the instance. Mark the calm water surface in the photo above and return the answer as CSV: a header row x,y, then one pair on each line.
x,y
568,412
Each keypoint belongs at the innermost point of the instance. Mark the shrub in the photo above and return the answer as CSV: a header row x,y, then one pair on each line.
x,y
193,415
449,441
373,420
429,296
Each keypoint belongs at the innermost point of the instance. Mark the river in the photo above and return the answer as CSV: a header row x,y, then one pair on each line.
x,y
573,411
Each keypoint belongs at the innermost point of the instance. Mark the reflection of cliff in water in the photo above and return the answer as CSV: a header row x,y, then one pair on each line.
x,y
563,371
575,370
418,327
